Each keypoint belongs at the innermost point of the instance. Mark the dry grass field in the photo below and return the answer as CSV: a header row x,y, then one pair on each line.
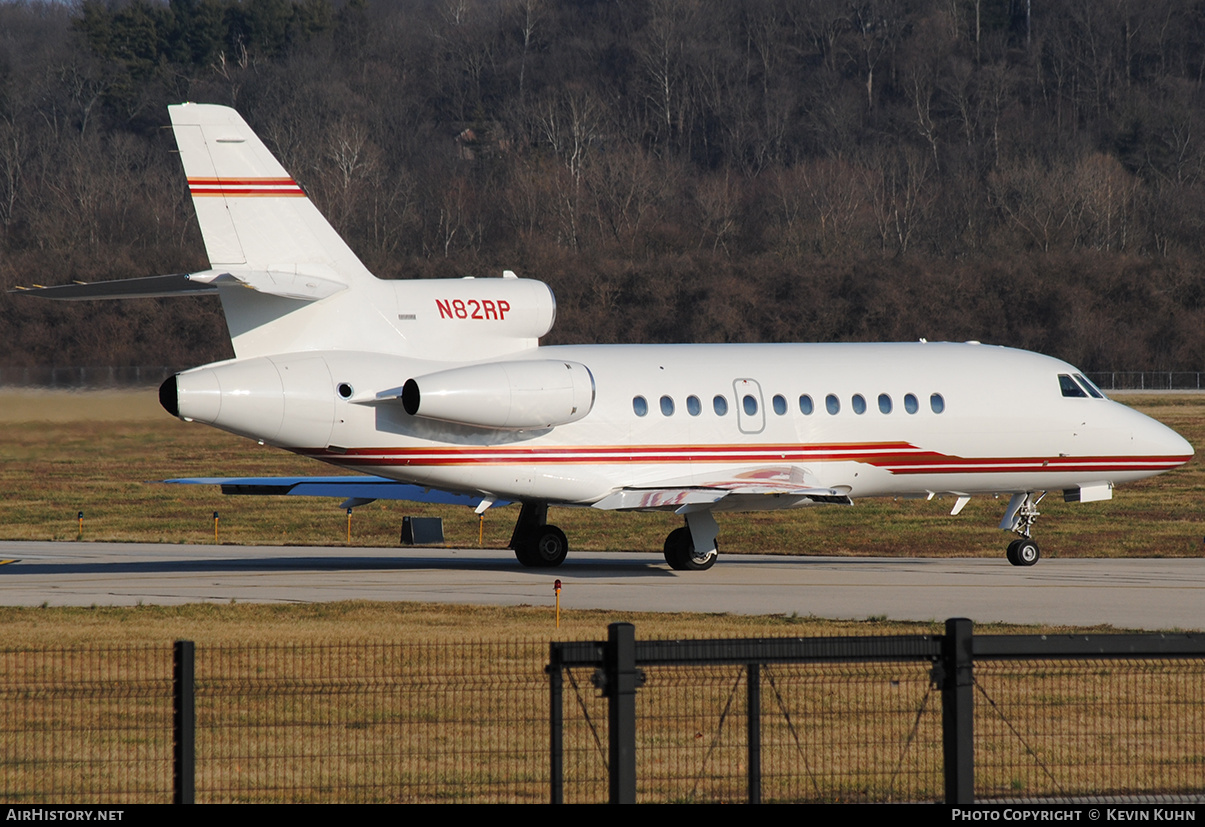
x,y
100,453
355,622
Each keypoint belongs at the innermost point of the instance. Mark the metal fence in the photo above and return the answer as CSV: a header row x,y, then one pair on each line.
x,y
951,717
823,733
899,718
81,378
86,725
1148,380
341,723
396,723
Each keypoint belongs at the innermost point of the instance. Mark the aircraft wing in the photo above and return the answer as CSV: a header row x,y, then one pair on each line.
x,y
357,490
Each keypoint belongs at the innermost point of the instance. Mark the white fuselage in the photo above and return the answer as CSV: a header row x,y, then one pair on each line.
x,y
911,419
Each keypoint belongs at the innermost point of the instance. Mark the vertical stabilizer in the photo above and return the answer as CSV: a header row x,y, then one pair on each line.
x,y
253,215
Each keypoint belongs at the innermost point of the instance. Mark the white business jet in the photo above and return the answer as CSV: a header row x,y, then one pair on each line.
x,y
439,390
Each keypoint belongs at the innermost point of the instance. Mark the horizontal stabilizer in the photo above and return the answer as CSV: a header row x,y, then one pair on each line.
x,y
150,287
363,488
286,285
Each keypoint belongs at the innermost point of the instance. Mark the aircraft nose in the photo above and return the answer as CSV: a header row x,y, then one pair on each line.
x,y
1177,445
1164,442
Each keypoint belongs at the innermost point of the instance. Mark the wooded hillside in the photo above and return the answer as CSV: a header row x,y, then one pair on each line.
x,y
1023,172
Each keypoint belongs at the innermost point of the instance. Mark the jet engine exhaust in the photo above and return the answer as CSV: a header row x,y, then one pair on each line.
x,y
169,398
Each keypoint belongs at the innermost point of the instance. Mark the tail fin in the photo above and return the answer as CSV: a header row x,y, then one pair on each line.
x,y
289,284
253,215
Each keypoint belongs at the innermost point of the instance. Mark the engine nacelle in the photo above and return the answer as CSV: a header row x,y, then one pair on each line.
x,y
505,395
284,400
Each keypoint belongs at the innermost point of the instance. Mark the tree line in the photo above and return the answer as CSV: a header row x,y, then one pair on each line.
x,y
1024,172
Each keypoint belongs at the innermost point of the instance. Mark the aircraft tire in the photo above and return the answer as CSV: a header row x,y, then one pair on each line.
x,y
1027,552
544,547
678,547
1011,554
680,552
525,557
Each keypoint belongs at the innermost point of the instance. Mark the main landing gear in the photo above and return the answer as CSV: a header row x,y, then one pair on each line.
x,y
1021,514
693,547
537,544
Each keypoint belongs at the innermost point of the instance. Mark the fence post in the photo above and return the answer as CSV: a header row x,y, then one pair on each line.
x,y
556,724
619,667
184,719
753,724
958,712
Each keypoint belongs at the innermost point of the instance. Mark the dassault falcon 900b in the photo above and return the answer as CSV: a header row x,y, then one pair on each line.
x,y
438,387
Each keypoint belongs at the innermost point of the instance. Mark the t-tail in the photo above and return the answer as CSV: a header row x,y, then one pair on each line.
x,y
290,284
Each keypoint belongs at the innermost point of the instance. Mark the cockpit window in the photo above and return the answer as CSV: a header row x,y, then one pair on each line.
x,y
1092,390
1070,387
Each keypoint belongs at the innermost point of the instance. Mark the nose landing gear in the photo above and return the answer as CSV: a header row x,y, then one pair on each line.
x,y
1020,516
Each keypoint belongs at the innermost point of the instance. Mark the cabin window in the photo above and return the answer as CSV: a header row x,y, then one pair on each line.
x,y
640,405
693,406
667,406
859,403
1070,387
344,390
832,404
750,404
1092,390
805,405
937,403
910,403
884,403
780,404
719,405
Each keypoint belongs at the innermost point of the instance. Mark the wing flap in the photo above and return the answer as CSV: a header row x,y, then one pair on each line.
x,y
750,489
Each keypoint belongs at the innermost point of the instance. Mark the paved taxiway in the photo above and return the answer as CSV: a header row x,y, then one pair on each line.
x,y
1145,594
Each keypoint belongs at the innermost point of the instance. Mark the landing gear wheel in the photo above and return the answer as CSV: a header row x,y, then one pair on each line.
x,y
1026,553
680,552
544,547
678,546
1011,554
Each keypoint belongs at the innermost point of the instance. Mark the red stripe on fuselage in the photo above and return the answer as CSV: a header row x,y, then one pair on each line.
x,y
893,457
